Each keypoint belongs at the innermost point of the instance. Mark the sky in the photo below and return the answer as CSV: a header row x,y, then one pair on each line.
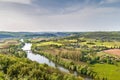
x,y
59,15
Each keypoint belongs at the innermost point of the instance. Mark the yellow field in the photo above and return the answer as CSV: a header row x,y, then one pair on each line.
x,y
49,43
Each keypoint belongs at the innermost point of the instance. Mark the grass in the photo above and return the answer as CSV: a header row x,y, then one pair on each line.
x,y
6,43
38,39
98,43
49,43
111,72
108,44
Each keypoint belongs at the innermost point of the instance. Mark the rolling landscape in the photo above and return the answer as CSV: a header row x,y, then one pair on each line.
x,y
59,39
70,55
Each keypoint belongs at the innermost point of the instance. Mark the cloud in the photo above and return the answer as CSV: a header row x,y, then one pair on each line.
x,y
59,15
88,19
60,6
12,20
112,1
17,1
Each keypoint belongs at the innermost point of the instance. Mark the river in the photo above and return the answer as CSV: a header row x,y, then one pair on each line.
x,y
41,59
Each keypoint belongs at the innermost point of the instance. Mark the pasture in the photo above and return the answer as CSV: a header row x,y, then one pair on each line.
x,y
49,43
111,72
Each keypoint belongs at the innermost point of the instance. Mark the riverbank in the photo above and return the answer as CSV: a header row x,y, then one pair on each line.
x,y
41,59
78,69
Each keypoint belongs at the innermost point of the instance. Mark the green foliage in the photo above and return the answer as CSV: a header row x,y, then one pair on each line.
x,y
23,69
79,68
13,48
80,51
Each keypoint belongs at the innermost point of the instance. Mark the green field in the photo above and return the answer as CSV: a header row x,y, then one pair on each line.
x,y
49,43
111,72
100,43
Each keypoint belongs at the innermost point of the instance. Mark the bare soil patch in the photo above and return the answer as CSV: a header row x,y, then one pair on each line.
x,y
113,51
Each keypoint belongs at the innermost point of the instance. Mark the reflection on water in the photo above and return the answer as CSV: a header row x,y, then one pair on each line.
x,y
41,59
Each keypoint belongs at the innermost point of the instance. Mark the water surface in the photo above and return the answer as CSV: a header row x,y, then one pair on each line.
x,y
41,59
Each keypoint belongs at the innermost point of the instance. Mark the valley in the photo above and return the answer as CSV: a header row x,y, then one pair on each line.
x,y
77,56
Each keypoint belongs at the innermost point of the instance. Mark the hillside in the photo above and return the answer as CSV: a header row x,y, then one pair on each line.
x,y
32,34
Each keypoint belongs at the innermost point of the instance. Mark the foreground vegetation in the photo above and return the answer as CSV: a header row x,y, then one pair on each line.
x,y
13,68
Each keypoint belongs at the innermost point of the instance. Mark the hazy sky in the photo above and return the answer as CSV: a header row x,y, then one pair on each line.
x,y
59,15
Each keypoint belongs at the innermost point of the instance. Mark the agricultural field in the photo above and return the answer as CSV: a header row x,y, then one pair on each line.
x,y
110,72
87,56
49,43
113,51
83,55
12,47
7,43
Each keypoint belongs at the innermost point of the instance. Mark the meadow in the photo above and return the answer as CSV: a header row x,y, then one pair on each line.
x,y
110,72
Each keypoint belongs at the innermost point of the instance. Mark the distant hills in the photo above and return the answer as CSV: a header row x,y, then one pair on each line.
x,y
32,34
93,35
